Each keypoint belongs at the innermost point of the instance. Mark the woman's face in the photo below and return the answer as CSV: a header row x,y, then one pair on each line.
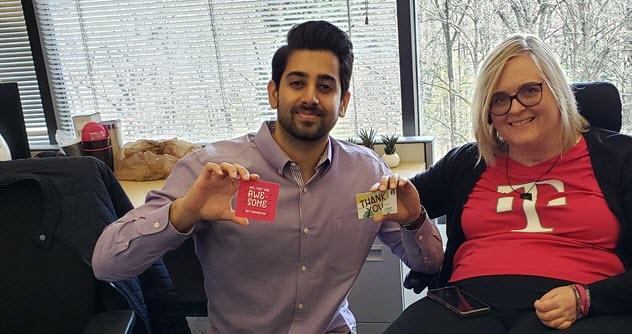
x,y
535,128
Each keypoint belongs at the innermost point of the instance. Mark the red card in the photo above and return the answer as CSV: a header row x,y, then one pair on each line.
x,y
257,200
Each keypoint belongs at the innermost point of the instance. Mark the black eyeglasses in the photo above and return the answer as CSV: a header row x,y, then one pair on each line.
x,y
528,96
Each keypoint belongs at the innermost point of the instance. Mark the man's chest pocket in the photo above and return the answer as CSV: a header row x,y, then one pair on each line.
x,y
350,241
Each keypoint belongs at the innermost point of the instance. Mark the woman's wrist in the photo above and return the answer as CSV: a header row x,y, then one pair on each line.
x,y
582,299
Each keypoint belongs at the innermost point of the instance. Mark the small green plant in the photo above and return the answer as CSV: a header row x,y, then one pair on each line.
x,y
389,143
367,137
351,140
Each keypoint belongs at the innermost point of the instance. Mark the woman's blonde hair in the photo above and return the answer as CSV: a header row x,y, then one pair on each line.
x,y
489,142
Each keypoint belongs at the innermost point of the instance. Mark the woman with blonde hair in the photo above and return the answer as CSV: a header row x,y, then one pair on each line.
x,y
539,208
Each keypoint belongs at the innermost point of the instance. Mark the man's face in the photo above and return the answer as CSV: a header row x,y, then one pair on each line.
x,y
308,97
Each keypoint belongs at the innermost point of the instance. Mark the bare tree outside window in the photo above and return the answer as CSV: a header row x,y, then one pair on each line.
x,y
592,39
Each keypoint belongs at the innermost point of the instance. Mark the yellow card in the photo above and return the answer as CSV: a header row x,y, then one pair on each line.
x,y
371,204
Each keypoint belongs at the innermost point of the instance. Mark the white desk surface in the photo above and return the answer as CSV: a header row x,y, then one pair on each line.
x,y
136,191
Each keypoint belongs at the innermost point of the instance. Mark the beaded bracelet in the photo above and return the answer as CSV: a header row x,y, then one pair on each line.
x,y
578,302
586,300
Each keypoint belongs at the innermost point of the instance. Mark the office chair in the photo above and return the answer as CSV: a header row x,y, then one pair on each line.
x,y
45,290
599,103
52,211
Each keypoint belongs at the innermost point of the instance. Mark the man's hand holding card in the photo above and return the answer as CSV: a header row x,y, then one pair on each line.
x,y
209,198
376,203
407,207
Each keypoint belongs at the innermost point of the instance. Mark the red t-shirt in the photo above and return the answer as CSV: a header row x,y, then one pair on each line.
x,y
566,232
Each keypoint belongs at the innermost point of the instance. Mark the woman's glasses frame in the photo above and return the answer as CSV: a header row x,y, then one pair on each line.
x,y
528,96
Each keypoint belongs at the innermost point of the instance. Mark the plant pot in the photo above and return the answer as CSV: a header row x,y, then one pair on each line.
x,y
5,153
392,160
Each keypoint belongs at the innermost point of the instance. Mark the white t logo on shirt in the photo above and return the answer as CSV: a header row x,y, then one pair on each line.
x,y
533,225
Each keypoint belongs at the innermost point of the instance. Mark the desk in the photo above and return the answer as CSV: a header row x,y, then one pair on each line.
x,y
136,191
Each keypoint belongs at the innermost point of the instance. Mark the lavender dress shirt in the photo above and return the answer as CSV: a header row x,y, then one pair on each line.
x,y
289,276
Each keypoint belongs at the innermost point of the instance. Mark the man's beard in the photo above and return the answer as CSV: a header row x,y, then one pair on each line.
x,y
316,131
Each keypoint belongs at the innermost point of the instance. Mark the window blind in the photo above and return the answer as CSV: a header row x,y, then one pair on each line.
x,y
16,65
198,70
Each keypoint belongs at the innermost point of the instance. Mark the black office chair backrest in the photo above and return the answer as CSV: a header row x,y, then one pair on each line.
x,y
44,290
600,103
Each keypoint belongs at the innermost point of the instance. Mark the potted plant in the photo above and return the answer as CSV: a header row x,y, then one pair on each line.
x,y
390,156
5,153
367,137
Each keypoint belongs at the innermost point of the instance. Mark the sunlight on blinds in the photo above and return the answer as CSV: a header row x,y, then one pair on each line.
x,y
198,70
16,65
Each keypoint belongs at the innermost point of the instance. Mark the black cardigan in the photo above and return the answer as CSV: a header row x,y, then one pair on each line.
x,y
445,188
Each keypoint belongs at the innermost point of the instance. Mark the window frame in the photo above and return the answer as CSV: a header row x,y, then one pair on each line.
x,y
40,70
407,36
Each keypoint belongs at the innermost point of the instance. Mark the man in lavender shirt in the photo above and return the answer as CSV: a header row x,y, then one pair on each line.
x,y
292,275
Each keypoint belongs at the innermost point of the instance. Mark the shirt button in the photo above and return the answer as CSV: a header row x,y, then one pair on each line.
x,y
306,230
303,268
300,306
156,225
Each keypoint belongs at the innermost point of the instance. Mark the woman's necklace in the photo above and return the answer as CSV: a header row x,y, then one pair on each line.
x,y
527,194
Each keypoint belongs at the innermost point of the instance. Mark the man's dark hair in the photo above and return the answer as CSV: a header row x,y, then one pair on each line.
x,y
316,35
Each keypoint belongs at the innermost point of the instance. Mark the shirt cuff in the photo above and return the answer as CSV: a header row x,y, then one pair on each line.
x,y
158,221
186,233
425,228
427,252
154,226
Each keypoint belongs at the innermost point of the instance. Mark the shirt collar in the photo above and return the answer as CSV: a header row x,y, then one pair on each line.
x,y
275,156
